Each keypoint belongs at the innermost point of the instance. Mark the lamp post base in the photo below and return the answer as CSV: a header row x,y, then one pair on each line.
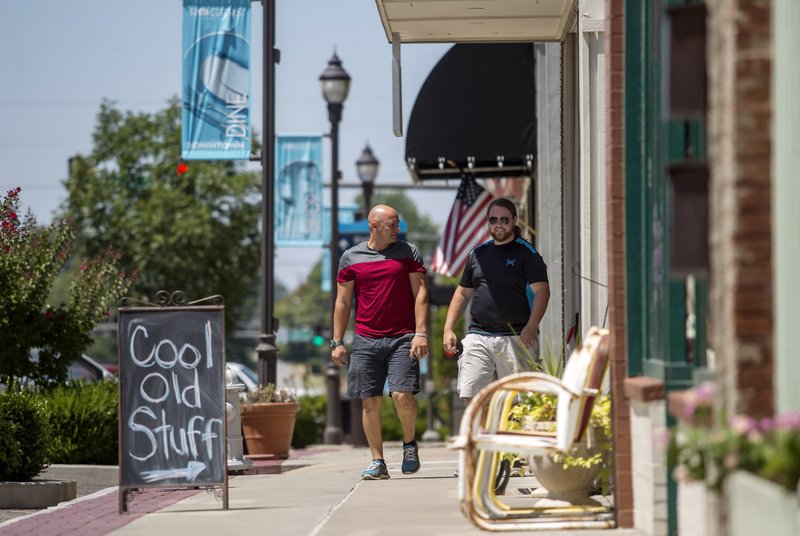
x,y
333,430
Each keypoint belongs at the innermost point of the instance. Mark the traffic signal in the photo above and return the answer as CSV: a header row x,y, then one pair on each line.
x,y
318,339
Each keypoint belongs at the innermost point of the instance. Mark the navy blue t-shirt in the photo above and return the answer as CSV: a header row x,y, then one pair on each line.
x,y
500,277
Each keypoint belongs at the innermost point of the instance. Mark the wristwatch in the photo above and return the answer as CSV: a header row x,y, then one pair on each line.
x,y
335,343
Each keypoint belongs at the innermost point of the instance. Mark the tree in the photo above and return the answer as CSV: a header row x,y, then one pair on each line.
x,y
193,227
306,308
30,258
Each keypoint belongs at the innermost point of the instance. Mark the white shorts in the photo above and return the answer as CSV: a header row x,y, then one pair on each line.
x,y
489,357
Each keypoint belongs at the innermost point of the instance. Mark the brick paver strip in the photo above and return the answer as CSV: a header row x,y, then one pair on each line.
x,y
94,516
97,516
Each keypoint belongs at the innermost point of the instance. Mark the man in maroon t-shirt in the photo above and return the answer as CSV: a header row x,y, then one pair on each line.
x,y
387,278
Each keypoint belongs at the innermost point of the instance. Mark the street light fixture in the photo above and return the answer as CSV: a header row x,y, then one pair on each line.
x,y
367,168
335,84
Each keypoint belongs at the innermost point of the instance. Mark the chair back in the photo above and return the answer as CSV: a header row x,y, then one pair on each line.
x,y
583,374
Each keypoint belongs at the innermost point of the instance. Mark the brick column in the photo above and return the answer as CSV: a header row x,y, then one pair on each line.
x,y
739,61
615,211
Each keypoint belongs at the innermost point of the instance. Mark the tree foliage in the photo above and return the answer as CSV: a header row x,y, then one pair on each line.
x,y
30,258
305,308
193,227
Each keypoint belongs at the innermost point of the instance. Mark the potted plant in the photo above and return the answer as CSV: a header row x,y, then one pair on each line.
x,y
268,418
572,475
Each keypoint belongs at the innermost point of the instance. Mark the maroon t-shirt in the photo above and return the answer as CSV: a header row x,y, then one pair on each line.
x,y
383,295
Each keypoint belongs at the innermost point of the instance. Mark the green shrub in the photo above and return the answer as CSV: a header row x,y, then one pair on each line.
x,y
390,423
84,418
25,436
311,419
30,258
310,423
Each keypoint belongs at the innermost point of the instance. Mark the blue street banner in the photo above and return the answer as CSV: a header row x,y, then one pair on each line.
x,y
216,80
298,190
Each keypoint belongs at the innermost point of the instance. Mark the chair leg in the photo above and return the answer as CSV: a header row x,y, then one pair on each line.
x,y
503,475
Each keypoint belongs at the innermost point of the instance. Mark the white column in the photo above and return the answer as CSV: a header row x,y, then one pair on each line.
x,y
548,185
785,200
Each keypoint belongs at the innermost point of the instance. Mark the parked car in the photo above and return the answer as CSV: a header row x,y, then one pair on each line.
x,y
113,368
247,376
244,375
86,368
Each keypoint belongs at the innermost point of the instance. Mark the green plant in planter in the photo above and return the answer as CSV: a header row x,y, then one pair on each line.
x,y
270,393
541,408
711,445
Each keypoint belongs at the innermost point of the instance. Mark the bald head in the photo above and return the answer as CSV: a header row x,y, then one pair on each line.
x,y
384,225
381,213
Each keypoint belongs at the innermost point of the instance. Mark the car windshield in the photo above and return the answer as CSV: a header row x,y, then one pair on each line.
x,y
247,371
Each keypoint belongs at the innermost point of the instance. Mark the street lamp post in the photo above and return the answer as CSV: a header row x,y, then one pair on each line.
x,y
335,85
367,169
266,349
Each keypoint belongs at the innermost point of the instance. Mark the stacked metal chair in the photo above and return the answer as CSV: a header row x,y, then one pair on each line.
x,y
484,436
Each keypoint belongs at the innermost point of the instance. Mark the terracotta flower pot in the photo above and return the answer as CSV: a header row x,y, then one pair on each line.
x,y
268,427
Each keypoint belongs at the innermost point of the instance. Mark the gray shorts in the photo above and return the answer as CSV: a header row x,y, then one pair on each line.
x,y
487,358
373,361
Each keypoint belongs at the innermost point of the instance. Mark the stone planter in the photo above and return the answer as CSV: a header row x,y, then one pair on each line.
x,y
573,484
758,506
698,509
36,493
268,428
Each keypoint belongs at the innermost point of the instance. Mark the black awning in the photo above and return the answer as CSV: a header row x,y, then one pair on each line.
x,y
475,113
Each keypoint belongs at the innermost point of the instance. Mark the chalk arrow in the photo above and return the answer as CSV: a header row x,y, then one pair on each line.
x,y
190,472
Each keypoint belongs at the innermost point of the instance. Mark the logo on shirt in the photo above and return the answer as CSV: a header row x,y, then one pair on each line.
x,y
510,262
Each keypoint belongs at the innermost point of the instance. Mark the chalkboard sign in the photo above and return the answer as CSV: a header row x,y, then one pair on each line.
x,y
172,397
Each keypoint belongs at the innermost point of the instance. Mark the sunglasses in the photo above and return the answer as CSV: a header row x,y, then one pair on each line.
x,y
503,220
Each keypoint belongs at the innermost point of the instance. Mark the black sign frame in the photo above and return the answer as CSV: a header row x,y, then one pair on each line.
x,y
172,408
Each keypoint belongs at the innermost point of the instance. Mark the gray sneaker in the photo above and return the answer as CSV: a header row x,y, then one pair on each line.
x,y
376,471
410,458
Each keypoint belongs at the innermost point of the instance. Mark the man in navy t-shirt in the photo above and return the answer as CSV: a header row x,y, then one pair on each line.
x,y
387,278
506,279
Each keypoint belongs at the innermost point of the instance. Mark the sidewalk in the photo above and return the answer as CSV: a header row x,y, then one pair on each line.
x,y
319,493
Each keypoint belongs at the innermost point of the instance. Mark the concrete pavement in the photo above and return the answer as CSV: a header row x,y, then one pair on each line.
x,y
318,493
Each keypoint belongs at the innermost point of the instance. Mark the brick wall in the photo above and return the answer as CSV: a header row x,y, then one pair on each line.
x,y
739,126
615,198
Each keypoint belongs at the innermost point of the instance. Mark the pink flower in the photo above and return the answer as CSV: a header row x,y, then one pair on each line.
x,y
681,474
661,438
705,392
766,424
742,424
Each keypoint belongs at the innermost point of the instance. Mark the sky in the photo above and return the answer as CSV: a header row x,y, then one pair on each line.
x,y
59,60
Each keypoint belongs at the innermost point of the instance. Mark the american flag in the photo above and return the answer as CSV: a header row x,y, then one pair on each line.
x,y
466,228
